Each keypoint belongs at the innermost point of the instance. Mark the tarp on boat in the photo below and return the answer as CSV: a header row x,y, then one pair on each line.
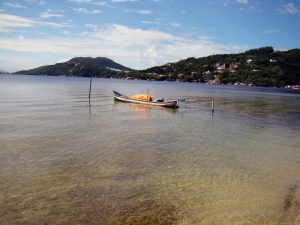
x,y
142,97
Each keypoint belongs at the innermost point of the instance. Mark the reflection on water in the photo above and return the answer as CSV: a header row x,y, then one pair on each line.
x,y
63,162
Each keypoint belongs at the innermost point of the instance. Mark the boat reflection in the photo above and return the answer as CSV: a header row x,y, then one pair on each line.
x,y
143,112
139,108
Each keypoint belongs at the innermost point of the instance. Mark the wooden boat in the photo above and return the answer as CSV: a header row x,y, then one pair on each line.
x,y
149,101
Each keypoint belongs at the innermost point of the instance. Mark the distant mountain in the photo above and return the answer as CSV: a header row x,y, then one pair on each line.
x,y
2,72
81,66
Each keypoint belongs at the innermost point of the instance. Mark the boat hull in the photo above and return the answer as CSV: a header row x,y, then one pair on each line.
x,y
123,98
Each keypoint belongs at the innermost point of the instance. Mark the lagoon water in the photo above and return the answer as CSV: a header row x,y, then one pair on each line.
x,y
63,162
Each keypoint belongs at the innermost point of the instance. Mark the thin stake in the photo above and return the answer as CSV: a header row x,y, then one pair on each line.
x,y
90,89
212,106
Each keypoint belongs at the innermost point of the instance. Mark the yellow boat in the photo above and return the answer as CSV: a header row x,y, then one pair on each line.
x,y
145,99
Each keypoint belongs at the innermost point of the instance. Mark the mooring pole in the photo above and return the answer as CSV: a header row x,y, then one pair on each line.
x,y
212,106
90,90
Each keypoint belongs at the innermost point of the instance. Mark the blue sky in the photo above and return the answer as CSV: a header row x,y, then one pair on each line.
x,y
140,33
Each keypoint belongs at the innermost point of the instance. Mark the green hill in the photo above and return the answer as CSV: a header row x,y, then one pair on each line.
x,y
81,66
261,67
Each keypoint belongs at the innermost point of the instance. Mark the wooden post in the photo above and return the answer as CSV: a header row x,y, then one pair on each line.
x,y
90,90
212,106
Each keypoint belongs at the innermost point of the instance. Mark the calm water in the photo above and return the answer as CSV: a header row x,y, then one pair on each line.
x,y
63,162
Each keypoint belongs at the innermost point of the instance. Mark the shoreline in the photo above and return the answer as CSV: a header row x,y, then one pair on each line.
x,y
294,87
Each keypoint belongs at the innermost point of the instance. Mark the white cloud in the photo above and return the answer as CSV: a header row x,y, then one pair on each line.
x,y
50,13
65,32
14,5
156,21
41,2
100,3
118,1
288,8
175,24
35,2
129,46
242,1
207,38
139,11
10,22
271,31
91,2
225,3
91,26
86,11
80,1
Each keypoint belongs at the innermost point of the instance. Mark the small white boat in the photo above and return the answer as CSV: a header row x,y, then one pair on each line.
x,y
148,100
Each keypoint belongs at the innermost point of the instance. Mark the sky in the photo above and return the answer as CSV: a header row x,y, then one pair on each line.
x,y
141,33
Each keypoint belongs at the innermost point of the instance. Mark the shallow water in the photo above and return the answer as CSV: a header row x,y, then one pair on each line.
x,y
63,162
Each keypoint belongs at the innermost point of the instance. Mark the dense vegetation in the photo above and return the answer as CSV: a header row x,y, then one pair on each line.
x,y
260,67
